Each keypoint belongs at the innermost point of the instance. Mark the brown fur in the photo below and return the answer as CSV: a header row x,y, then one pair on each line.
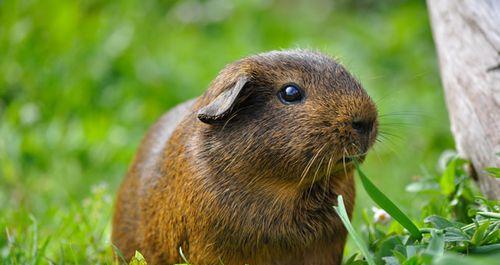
x,y
255,185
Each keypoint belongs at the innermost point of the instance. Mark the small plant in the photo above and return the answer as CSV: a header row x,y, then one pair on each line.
x,y
459,225
138,259
82,238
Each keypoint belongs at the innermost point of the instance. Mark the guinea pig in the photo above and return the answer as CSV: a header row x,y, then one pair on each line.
x,y
249,172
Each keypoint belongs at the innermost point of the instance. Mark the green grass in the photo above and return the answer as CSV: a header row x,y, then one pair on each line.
x,y
342,213
381,200
80,82
467,227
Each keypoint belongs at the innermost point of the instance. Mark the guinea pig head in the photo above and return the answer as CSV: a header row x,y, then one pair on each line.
x,y
291,115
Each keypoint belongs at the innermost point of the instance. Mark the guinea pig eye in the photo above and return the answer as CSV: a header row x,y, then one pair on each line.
x,y
290,94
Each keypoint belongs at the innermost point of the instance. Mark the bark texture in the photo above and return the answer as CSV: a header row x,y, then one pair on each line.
x,y
467,37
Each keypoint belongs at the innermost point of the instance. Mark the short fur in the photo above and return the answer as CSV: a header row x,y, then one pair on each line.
x,y
238,177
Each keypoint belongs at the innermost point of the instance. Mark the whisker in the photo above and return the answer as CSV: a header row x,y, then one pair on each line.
x,y
398,124
395,91
343,161
327,177
358,149
314,177
377,154
310,164
305,170
386,134
388,144
329,169
403,113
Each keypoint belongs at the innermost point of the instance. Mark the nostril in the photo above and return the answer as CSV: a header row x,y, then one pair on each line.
x,y
362,126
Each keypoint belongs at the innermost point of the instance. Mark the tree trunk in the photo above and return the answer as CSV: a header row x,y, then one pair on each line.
x,y
467,37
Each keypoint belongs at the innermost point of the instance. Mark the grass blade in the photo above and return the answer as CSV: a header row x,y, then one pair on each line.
x,y
340,210
447,181
385,203
480,234
495,172
489,214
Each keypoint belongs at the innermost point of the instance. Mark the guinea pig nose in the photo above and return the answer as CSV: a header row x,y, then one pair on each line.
x,y
362,126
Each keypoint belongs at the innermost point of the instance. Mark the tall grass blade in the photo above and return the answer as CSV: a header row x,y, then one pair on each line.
x,y
385,203
489,215
340,210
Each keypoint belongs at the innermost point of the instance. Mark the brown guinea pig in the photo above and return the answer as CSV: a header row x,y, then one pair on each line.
x,y
248,173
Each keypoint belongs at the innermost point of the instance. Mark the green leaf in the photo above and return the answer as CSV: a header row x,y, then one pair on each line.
x,y
480,234
423,185
490,214
447,180
490,205
391,260
358,262
440,222
386,204
453,234
412,261
494,171
412,250
342,213
493,236
436,244
386,247
400,256
351,259
454,259
41,251
495,248
138,259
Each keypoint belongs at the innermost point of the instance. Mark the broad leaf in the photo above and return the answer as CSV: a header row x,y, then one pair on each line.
x,y
436,244
453,234
440,222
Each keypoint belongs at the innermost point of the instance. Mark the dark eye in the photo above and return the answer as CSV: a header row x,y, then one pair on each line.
x,y
290,94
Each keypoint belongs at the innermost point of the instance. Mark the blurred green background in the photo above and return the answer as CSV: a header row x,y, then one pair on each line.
x,y
81,81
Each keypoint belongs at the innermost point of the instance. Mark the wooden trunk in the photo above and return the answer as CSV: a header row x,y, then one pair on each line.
x,y
467,37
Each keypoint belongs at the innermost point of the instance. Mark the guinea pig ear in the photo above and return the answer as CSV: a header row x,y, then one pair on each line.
x,y
222,105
